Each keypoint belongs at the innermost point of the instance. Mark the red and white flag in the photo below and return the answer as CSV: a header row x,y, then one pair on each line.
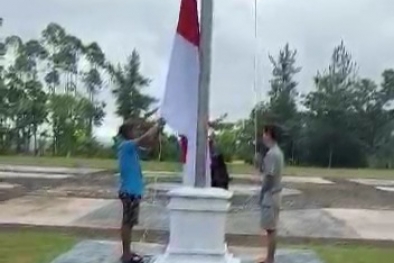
x,y
180,103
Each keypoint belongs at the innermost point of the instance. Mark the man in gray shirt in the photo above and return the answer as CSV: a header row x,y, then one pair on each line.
x,y
271,166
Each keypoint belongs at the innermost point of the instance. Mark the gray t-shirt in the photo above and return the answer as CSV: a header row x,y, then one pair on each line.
x,y
273,165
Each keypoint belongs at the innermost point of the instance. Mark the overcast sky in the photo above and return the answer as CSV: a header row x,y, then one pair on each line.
x,y
313,27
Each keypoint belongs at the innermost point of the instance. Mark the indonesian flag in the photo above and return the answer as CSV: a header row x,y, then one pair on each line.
x,y
180,103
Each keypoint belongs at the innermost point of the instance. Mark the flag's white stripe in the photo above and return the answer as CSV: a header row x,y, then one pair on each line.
x,y
180,103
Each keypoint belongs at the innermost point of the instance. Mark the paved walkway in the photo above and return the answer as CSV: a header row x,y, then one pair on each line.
x,y
382,185
46,170
105,214
29,175
108,252
49,205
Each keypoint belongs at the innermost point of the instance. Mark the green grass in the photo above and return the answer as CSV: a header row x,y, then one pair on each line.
x,y
236,168
354,254
32,247
84,162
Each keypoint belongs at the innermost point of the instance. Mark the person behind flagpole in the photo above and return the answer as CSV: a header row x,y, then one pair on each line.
x,y
131,181
219,173
183,148
183,152
271,167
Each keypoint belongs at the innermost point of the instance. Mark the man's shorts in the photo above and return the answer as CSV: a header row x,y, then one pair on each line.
x,y
270,208
131,208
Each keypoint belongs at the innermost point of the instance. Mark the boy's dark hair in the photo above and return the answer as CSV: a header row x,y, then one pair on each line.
x,y
125,129
274,131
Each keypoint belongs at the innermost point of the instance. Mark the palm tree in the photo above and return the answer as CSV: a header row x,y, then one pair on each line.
x,y
129,82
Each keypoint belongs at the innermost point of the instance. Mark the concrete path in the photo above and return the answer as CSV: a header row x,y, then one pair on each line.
x,y
108,252
385,189
369,224
47,170
106,214
382,185
33,175
297,179
285,179
36,210
237,189
373,182
7,186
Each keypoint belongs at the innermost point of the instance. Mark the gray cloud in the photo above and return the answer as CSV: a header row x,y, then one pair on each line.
x,y
313,27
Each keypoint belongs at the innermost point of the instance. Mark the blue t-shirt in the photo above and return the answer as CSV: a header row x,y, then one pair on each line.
x,y
131,181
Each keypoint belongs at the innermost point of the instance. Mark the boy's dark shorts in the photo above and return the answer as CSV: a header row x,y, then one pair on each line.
x,y
131,208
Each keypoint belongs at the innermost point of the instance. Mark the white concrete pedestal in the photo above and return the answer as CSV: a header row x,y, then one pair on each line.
x,y
198,226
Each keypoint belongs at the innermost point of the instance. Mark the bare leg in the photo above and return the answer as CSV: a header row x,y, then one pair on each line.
x,y
271,246
126,242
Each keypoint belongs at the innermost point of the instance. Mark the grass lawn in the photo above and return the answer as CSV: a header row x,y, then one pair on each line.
x,y
36,247
236,168
355,254
32,247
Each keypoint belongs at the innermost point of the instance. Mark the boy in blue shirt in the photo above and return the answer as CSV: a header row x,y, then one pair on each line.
x,y
131,182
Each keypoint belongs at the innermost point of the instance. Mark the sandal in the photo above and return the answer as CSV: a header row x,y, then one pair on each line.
x,y
135,258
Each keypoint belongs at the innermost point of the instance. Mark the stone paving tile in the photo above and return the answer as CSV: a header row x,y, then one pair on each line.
x,y
106,214
373,182
39,210
92,191
7,186
369,224
305,180
386,189
44,169
301,223
316,223
33,175
237,189
108,252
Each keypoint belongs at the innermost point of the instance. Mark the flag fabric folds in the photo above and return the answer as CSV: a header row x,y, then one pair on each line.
x,y
180,102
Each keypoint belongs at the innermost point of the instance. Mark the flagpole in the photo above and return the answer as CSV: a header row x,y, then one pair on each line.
x,y
206,17
192,210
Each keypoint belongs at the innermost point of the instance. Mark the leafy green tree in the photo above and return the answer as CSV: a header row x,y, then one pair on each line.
x,y
52,36
331,127
93,81
282,107
29,107
3,92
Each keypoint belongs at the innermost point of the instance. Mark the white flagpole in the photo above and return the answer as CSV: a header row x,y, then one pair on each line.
x,y
255,81
203,93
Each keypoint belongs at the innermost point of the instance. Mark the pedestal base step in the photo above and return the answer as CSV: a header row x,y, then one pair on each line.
x,y
109,252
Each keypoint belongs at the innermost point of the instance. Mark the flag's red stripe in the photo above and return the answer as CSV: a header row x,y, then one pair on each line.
x,y
188,26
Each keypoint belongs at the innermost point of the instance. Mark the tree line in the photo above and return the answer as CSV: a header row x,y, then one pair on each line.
x,y
49,105
346,120
49,89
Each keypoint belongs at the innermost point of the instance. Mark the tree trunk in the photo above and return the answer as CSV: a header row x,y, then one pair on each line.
x,y
90,128
292,152
330,157
54,143
160,147
35,140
